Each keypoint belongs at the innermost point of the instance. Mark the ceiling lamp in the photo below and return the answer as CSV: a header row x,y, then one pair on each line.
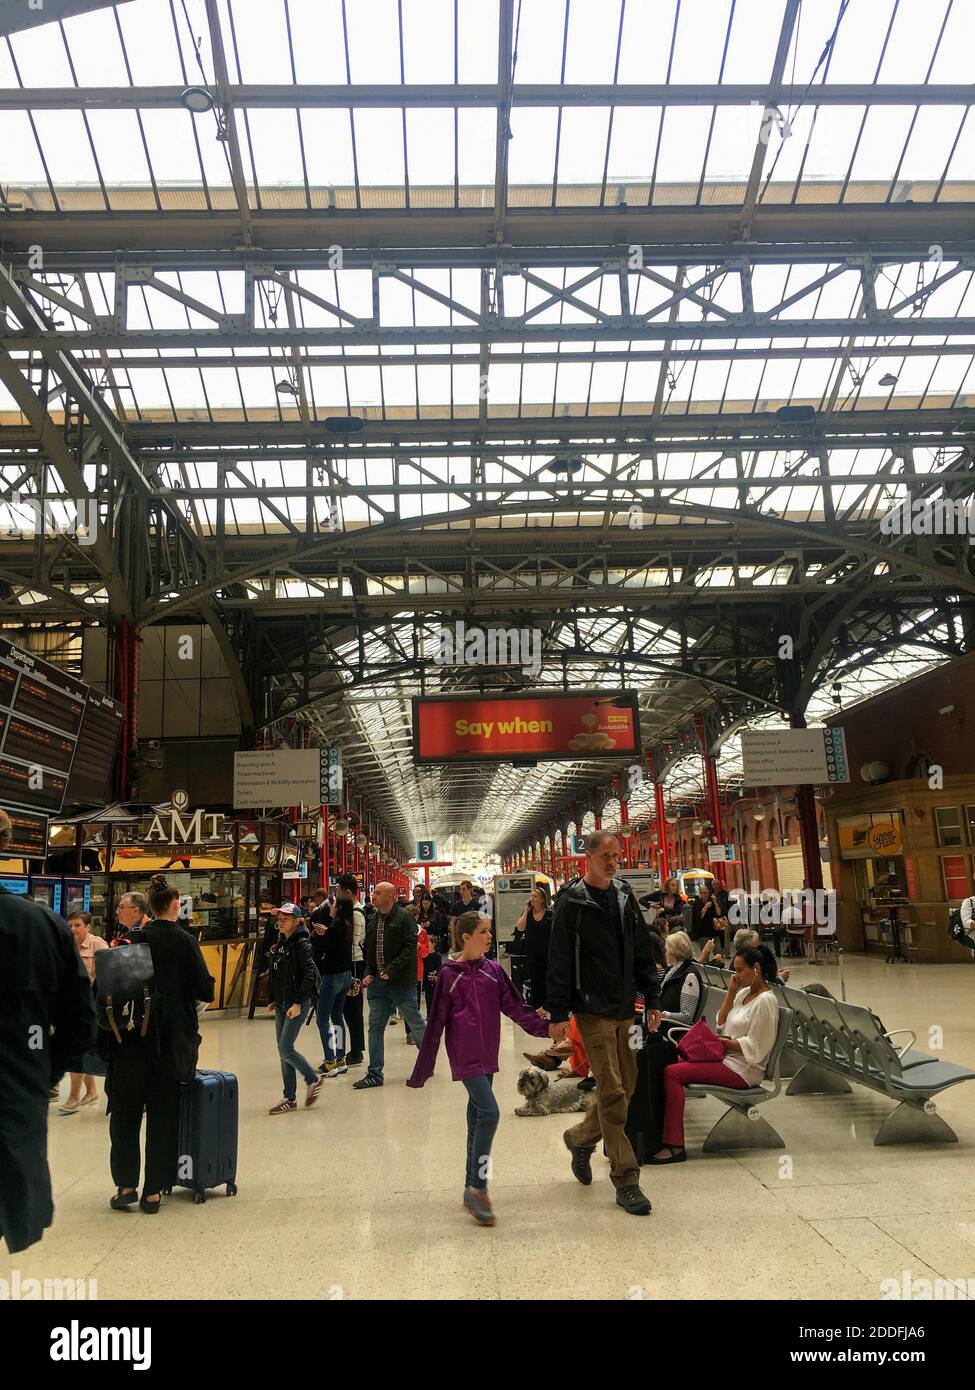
x,y
340,826
361,841
197,99
566,466
697,827
758,813
672,817
344,424
286,388
888,380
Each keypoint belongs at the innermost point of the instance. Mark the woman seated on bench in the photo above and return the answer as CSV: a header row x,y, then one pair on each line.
x,y
747,1023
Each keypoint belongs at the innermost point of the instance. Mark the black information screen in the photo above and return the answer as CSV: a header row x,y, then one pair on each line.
x,y
41,711
94,760
29,834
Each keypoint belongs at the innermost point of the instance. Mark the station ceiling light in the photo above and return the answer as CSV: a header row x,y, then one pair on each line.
x,y
197,99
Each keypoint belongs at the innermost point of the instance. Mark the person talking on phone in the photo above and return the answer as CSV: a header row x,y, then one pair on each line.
x,y
536,923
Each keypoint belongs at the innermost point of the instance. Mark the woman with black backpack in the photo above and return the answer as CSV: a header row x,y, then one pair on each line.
x,y
151,1044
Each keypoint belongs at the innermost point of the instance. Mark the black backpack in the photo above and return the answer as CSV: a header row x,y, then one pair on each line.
x,y
125,990
959,933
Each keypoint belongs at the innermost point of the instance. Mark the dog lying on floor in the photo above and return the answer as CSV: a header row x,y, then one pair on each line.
x,y
547,1095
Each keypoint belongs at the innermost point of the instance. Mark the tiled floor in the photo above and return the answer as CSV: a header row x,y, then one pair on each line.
x,y
360,1196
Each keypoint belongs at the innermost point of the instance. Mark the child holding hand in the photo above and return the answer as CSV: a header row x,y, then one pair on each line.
x,y
470,996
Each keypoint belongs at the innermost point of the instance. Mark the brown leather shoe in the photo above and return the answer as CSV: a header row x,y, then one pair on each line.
x,y
543,1060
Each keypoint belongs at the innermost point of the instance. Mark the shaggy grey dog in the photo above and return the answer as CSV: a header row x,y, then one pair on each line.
x,y
547,1095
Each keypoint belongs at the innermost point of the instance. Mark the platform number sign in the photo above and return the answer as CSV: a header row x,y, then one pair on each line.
x,y
426,851
837,768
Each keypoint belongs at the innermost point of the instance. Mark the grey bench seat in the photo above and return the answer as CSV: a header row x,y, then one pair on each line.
x,y
838,1043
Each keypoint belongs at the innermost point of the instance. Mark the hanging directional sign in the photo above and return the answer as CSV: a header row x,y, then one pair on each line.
x,y
426,851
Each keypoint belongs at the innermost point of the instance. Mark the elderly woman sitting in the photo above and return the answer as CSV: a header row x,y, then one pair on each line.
x,y
747,1022
681,992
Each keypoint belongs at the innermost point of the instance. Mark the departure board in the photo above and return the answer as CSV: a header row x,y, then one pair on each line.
x,y
90,782
29,834
41,712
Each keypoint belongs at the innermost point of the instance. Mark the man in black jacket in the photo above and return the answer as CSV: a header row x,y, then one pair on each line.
x,y
599,957
47,1017
390,978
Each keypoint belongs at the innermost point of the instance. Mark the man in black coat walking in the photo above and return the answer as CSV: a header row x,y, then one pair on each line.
x,y
599,957
47,1017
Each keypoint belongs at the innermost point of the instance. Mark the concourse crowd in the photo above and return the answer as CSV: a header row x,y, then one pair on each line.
x,y
609,989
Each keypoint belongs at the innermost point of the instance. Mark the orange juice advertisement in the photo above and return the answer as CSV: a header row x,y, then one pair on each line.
x,y
600,724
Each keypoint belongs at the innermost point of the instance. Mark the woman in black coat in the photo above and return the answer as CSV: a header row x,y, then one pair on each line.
x,y
145,1073
681,996
536,923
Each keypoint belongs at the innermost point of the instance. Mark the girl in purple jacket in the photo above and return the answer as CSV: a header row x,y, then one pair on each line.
x,y
470,996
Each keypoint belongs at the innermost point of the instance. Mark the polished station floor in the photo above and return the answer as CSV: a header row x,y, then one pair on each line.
x,y
360,1197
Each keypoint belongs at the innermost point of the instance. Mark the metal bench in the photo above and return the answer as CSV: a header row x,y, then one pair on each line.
x,y
741,1126
847,1042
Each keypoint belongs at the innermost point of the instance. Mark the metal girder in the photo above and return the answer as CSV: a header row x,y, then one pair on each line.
x,y
230,361
56,450
537,434
730,308
851,224
395,96
880,250
16,15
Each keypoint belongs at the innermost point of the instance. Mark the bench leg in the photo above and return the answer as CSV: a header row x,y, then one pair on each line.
x,y
814,1080
735,1130
789,1063
912,1124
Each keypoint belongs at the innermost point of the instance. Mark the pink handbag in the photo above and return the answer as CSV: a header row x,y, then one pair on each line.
x,y
700,1044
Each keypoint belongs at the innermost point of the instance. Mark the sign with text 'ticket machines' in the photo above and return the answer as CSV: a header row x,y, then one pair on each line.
x,y
495,728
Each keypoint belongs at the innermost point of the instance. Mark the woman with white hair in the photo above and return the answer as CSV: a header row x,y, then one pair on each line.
x,y
681,998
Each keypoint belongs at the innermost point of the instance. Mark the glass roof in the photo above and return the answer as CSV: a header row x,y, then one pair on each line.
x,y
91,122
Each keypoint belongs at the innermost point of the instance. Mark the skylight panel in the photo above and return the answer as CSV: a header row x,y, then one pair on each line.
x,y
754,38
373,28
915,32
379,145
277,150
428,40
531,150
592,40
21,157
582,144
430,147
316,35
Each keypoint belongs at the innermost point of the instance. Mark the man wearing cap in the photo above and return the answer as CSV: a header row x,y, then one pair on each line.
x,y
390,978
292,990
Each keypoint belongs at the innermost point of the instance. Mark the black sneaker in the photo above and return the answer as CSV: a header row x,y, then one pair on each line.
x,y
632,1200
581,1166
354,1059
368,1082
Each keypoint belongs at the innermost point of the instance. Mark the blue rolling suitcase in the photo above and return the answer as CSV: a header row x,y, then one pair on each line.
x,y
208,1134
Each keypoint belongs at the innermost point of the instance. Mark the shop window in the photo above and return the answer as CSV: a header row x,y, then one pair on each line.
x,y
956,877
947,822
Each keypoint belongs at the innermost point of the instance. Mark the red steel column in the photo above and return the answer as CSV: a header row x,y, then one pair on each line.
x,y
712,793
663,857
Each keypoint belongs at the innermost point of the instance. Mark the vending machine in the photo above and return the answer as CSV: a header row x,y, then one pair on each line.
x,y
46,889
77,890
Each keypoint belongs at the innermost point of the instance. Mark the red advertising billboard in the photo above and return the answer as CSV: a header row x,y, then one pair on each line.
x,y
536,725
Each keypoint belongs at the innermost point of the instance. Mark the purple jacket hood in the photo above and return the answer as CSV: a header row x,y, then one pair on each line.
x,y
468,1001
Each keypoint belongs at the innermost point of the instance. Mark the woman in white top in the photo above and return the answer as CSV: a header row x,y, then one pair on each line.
x,y
747,1024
